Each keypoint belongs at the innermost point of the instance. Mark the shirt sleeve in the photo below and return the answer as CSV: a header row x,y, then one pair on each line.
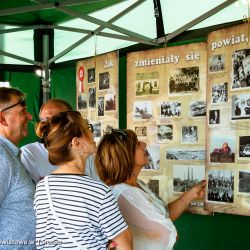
x,y
5,175
111,220
149,226
29,161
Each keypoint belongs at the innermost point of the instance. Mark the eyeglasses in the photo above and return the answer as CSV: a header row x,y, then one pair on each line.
x,y
120,133
91,127
22,102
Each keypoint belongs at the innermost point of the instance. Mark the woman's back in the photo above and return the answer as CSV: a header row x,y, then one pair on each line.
x,y
85,207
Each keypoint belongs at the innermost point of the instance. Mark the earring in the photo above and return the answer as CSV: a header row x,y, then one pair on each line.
x,y
81,152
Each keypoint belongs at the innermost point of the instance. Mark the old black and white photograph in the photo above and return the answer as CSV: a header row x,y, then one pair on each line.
x,y
154,186
217,63
198,109
241,106
153,157
104,80
244,146
189,134
170,109
141,131
222,148
241,69
110,102
220,185
164,133
244,181
147,83
96,131
100,106
81,101
92,97
184,80
185,154
91,75
219,93
143,110
186,176
214,116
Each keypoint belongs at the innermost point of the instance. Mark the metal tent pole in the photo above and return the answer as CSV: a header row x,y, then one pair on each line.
x,y
46,74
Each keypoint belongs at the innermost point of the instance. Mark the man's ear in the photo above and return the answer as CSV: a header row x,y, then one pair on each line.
x,y
2,119
76,143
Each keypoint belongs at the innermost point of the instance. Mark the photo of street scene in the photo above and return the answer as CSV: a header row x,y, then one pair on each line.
x,y
164,133
143,110
220,185
147,83
217,63
189,134
185,154
244,146
241,69
153,157
244,181
186,176
184,80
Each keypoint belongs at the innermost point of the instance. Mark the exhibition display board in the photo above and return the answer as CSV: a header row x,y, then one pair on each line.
x,y
167,109
97,91
228,133
191,105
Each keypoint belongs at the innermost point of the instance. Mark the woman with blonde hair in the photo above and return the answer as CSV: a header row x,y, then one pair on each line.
x,y
119,160
74,211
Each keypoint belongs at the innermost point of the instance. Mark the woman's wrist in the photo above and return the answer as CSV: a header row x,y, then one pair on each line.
x,y
184,201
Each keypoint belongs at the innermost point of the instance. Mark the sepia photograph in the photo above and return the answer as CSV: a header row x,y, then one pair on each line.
x,y
141,131
241,69
110,102
104,80
222,148
241,106
220,185
164,133
219,93
170,109
244,146
81,101
153,157
184,80
217,63
214,116
185,154
244,181
91,75
147,83
100,106
186,176
197,109
143,110
92,97
189,134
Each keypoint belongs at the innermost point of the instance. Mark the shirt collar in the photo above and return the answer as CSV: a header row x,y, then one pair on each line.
x,y
12,147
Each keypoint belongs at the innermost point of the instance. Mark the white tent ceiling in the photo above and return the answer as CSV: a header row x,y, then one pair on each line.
x,y
137,25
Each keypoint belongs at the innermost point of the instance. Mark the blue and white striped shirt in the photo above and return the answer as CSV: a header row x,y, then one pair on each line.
x,y
86,208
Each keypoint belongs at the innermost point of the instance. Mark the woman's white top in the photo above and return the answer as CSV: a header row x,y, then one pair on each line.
x,y
146,216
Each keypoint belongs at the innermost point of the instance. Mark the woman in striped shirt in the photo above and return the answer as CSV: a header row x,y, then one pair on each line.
x,y
74,211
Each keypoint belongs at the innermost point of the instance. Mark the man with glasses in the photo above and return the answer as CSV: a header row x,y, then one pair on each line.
x,y
17,217
35,155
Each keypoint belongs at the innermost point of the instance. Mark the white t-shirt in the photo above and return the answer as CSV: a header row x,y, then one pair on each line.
x,y
35,159
87,209
146,216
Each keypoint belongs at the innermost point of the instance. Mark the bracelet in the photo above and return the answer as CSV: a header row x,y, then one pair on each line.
x,y
183,200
